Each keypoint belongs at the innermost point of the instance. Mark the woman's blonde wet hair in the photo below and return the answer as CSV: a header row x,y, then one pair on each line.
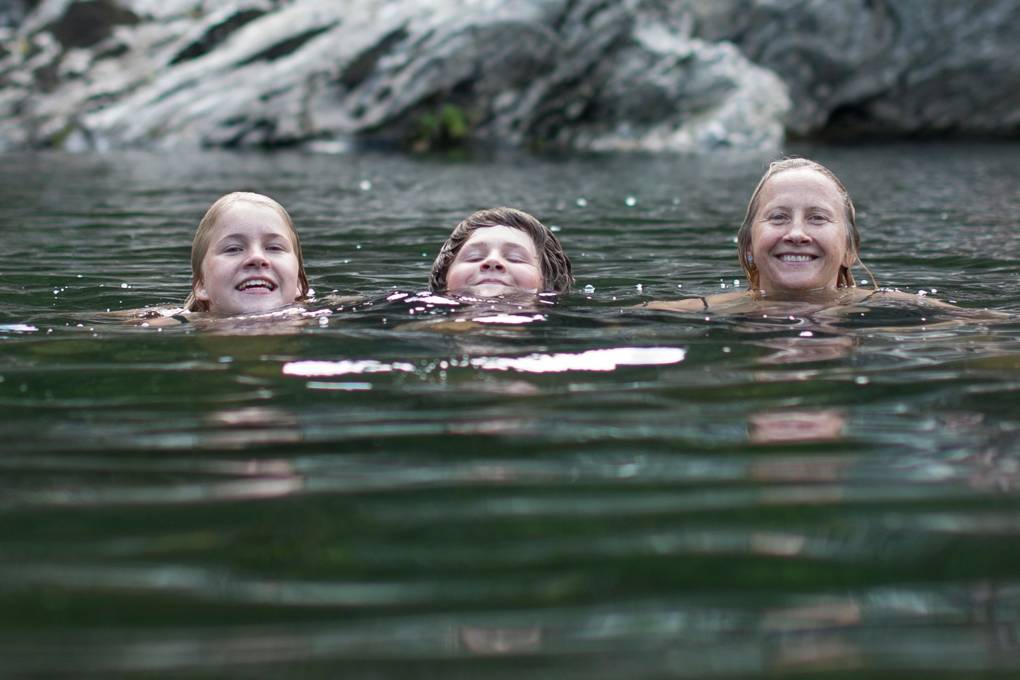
x,y
556,268
203,237
845,278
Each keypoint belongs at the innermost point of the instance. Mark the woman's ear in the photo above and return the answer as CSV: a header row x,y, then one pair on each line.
x,y
200,292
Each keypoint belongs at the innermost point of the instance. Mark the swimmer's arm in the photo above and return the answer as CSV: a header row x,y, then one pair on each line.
x,y
336,300
922,300
697,304
926,301
152,317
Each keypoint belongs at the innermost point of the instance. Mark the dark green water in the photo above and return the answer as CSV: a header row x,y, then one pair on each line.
x,y
598,492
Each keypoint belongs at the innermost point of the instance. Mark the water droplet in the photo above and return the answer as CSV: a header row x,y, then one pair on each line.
x,y
554,227
357,246
124,285
589,289
639,287
726,350
861,380
806,334
864,281
582,202
365,185
679,285
736,282
630,201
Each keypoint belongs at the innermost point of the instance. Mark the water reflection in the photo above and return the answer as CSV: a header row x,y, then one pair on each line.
x,y
771,427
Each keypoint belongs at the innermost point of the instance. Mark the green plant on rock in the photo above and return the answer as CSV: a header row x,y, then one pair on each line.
x,y
449,127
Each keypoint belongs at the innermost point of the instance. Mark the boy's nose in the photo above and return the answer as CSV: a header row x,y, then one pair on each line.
x,y
493,263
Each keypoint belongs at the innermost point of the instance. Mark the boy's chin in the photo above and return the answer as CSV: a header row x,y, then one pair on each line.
x,y
489,290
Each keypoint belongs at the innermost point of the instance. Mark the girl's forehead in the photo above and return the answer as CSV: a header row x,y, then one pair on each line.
x,y
251,218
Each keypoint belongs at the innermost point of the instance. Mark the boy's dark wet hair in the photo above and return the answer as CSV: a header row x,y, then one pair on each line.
x,y
556,268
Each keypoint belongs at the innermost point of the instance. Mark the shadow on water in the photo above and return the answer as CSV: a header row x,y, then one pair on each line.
x,y
579,489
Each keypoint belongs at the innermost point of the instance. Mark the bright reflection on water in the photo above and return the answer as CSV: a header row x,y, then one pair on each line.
x,y
399,484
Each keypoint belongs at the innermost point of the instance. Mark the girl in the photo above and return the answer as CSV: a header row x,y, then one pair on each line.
x,y
245,258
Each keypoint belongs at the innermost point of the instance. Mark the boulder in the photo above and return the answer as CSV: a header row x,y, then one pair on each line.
x,y
582,74
879,67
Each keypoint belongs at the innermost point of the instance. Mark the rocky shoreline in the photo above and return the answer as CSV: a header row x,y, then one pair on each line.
x,y
662,75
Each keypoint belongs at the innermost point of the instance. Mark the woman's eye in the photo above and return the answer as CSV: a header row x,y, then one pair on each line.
x,y
818,219
777,217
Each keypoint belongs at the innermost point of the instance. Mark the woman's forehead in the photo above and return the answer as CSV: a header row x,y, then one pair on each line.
x,y
803,184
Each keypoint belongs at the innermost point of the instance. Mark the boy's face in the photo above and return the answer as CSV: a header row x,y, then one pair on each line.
x,y
251,265
495,261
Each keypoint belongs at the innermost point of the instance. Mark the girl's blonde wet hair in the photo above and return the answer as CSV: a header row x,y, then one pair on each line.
x,y
203,237
555,265
845,278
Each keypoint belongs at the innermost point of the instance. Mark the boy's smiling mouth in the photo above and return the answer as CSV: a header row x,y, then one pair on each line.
x,y
256,285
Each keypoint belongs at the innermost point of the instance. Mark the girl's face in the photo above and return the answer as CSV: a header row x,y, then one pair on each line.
x,y
495,261
799,233
251,265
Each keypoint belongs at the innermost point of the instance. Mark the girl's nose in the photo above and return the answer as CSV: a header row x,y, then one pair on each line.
x,y
256,258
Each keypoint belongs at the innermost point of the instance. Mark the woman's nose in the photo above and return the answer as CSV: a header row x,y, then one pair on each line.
x,y
796,233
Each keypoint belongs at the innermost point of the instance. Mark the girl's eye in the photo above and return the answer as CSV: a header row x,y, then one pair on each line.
x,y
276,248
232,250
777,217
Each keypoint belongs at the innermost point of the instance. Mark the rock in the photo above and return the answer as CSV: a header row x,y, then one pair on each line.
x,y
880,67
569,73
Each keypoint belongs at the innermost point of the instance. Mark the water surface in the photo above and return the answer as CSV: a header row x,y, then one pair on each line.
x,y
572,490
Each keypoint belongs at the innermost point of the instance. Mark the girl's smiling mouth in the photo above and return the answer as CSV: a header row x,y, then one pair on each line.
x,y
256,285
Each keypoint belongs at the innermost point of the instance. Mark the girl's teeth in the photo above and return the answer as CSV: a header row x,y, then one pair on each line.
x,y
795,258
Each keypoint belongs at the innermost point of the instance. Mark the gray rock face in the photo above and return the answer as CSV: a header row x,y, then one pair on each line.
x,y
880,66
583,74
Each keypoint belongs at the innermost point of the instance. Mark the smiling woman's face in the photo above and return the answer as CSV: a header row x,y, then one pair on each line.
x,y
495,261
799,235
251,265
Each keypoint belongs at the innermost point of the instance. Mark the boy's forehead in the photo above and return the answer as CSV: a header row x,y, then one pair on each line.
x,y
501,234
